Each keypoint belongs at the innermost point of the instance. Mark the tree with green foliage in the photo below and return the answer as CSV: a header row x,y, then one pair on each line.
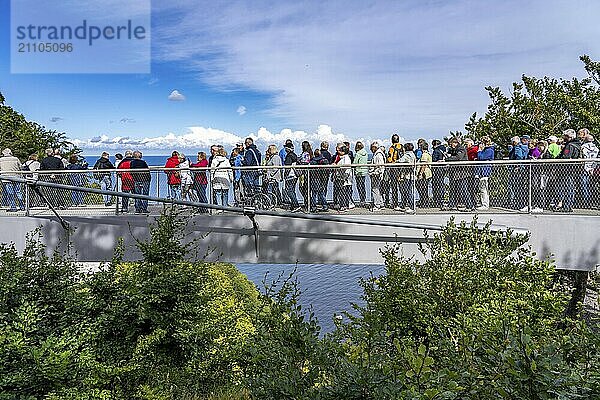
x,y
541,107
160,328
27,137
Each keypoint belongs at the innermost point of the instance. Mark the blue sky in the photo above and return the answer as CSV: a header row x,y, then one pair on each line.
x,y
308,70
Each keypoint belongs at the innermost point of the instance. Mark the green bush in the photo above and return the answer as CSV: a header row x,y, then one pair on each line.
x,y
480,318
162,327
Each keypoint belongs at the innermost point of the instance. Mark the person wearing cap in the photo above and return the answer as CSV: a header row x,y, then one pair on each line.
x,y
553,146
239,146
589,178
11,191
571,150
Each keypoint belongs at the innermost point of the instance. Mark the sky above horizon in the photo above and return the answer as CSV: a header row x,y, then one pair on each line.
x,y
313,70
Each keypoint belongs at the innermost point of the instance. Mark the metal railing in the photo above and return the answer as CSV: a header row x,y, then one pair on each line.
x,y
529,186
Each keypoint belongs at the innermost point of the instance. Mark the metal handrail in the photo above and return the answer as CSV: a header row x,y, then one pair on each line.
x,y
582,161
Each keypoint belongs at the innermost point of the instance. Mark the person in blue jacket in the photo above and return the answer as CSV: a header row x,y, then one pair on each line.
x,y
517,175
485,152
252,158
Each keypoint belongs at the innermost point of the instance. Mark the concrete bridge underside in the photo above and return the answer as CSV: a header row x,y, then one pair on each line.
x,y
572,240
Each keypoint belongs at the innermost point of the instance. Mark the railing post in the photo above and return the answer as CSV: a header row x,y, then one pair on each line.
x,y
158,183
117,198
414,189
309,194
26,199
210,189
529,186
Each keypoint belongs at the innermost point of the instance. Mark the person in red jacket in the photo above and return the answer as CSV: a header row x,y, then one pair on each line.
x,y
200,180
127,184
173,177
473,180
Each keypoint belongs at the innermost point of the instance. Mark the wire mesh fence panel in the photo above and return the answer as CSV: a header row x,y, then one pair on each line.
x,y
497,186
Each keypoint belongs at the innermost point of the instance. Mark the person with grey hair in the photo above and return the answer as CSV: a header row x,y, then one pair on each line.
x,y
582,134
11,191
376,174
589,178
141,181
571,150
126,179
187,179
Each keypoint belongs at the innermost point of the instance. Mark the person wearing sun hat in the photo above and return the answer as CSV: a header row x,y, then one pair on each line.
x,y
553,147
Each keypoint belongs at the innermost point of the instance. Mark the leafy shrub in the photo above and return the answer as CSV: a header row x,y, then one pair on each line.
x,y
162,327
481,318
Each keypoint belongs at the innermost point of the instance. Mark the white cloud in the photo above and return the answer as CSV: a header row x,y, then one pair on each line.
x,y
152,81
176,96
241,110
202,138
376,67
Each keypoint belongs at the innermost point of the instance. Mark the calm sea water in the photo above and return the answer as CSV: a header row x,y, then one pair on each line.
x,y
329,289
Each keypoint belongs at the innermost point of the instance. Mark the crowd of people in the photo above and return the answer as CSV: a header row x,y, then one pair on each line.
x,y
438,182
401,177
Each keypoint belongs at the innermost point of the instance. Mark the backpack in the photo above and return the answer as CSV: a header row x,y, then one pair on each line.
x,y
394,153
25,166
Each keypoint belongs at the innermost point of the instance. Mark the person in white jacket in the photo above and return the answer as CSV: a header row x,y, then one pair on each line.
x,y
408,176
376,174
221,177
344,176
187,180
589,179
11,191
